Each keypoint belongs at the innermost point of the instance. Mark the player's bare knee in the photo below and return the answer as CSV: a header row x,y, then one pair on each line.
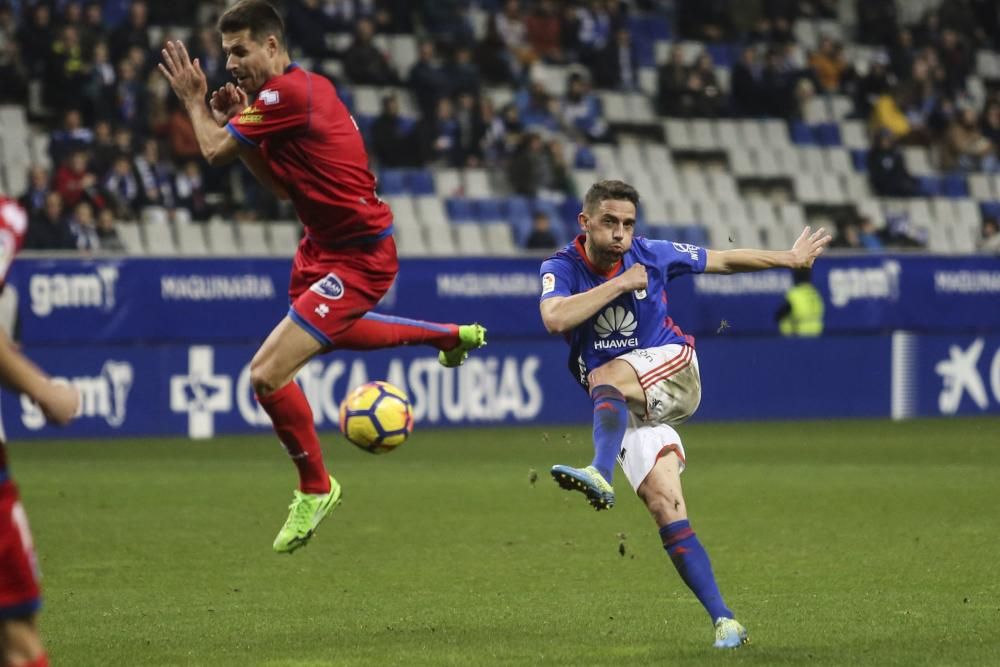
x,y
19,642
262,378
665,506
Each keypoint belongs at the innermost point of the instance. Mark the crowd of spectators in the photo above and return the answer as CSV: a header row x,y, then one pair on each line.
x,y
120,142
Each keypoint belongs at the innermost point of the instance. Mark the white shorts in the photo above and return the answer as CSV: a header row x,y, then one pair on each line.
x,y
670,379
643,445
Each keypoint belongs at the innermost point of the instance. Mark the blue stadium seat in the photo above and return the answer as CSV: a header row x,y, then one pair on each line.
x,y
488,210
827,134
954,186
585,158
801,133
421,182
347,97
724,55
990,209
460,209
365,124
930,186
695,234
859,158
391,182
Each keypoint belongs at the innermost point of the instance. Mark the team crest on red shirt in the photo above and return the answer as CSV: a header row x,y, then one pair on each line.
x,y
329,287
269,97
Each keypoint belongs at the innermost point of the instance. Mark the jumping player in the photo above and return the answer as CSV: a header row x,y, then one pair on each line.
x,y
299,141
606,293
20,597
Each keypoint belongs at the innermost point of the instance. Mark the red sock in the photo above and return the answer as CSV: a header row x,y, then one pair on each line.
x,y
293,422
374,332
40,661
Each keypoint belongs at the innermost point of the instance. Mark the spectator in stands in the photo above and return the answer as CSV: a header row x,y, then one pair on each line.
x,y
849,236
869,235
538,168
828,64
581,111
84,227
364,63
66,73
617,66
463,73
903,53
392,137
191,192
212,59
745,85
107,232
492,142
536,107
33,200
71,137
103,150
74,181
446,20
49,230
801,313
875,83
491,56
99,90
134,32
92,28
956,60
437,136
122,188
131,107
35,40
876,21
469,131
964,145
990,124
12,70
180,132
544,29
990,240
307,25
704,86
156,176
887,171
541,236
514,34
428,78
888,116
672,78
704,20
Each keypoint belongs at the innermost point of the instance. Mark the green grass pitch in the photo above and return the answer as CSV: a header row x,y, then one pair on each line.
x,y
837,543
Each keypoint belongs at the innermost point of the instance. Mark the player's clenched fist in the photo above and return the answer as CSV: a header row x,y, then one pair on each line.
x,y
227,102
634,278
59,403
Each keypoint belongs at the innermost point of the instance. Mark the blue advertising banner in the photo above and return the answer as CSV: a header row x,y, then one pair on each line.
x,y
203,390
124,301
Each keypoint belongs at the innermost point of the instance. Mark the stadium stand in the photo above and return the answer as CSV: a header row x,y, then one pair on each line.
x,y
735,129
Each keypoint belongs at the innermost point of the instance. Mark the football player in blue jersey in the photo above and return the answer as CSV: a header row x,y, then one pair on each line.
x,y
606,294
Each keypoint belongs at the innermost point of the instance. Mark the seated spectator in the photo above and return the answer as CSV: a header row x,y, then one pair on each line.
x,y
745,85
581,110
957,60
74,181
965,147
211,59
536,107
180,132
103,151
33,200
131,98
704,85
392,137
99,89
492,141
990,240
617,66
876,82
190,188
541,236
428,79
307,25
107,232
848,238
828,65
66,75
72,136
494,62
887,171
778,80
12,69
544,32
469,132
888,116
869,235
514,34
156,176
49,230
671,78
463,73
84,227
990,125
539,168
122,188
133,32
437,136
364,63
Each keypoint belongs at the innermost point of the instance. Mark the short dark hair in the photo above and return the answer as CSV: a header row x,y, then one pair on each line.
x,y
602,190
257,16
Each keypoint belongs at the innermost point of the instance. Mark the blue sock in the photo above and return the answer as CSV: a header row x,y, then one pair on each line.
x,y
610,421
692,564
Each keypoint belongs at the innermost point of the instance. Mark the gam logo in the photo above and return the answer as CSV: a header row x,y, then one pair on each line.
x,y
104,396
50,291
329,287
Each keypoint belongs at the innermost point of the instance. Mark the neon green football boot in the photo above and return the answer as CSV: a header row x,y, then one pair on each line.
x,y
470,337
729,633
588,481
304,516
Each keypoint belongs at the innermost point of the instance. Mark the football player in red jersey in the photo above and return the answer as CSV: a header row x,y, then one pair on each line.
x,y
20,597
291,130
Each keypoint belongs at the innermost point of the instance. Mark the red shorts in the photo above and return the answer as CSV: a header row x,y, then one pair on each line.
x,y
331,289
20,595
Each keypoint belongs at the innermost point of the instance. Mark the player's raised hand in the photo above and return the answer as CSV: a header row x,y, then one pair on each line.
x,y
634,278
227,102
808,247
59,403
185,76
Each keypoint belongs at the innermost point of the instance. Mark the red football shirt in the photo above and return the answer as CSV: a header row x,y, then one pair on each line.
x,y
13,225
315,150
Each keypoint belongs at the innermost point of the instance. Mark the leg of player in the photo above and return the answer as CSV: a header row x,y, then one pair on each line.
x,y
20,643
614,388
284,352
661,492
375,331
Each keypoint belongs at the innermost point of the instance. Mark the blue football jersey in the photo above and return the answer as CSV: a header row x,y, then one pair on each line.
x,y
633,321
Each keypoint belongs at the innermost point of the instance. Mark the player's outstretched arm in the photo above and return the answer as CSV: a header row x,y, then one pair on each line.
x,y
190,84
59,402
807,248
564,313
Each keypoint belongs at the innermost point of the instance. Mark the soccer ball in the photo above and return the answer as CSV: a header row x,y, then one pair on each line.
x,y
376,417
